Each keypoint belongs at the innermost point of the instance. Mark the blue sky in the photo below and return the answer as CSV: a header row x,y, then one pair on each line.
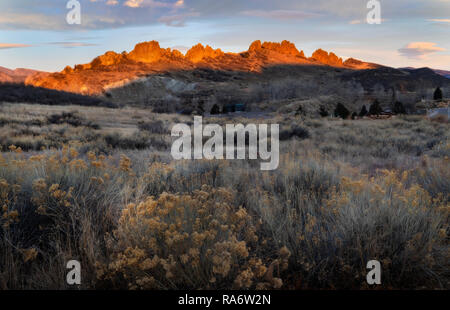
x,y
35,34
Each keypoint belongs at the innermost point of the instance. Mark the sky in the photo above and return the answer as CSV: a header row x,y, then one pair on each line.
x,y
36,34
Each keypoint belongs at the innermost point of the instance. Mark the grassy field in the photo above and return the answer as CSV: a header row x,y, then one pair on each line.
x,y
98,185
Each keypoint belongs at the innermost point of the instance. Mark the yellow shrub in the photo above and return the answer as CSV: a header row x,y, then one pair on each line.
x,y
196,241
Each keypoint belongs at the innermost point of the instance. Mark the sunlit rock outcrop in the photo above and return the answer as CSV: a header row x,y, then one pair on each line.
x,y
327,58
199,52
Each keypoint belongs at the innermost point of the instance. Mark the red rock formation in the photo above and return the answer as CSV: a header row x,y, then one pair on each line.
x,y
177,54
146,52
108,59
67,70
149,57
327,58
285,47
198,52
255,46
151,52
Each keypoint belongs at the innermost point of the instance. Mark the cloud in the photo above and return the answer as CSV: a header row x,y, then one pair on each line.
x,y
179,3
437,20
443,22
420,49
108,2
360,21
57,22
72,44
153,4
50,14
12,45
29,21
133,3
176,20
280,14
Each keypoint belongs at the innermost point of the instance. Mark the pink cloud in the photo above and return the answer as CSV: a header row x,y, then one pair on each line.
x,y
420,49
153,4
12,45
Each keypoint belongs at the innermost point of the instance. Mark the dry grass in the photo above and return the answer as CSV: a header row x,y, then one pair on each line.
x,y
37,127
345,193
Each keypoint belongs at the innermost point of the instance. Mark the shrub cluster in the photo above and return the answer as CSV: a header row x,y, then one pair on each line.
x,y
311,224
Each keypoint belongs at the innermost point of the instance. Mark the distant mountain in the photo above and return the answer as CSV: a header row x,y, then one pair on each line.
x,y
440,72
443,73
405,80
15,76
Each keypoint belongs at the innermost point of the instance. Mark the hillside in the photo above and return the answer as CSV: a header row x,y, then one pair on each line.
x,y
268,76
15,76
20,93
443,73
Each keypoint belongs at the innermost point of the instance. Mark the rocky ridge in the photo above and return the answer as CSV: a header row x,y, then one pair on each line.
x,y
149,58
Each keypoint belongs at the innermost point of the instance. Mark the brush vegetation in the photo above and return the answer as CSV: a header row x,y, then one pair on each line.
x,y
345,192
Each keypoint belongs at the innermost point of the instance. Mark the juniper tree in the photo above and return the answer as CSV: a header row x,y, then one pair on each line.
x,y
375,108
438,94
363,111
323,112
215,109
341,111
399,108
